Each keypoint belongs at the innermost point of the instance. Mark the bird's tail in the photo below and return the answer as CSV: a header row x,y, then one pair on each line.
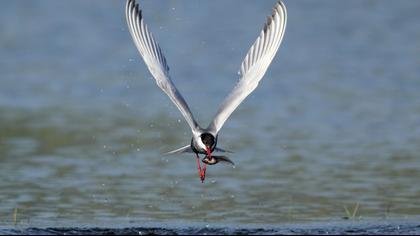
x,y
180,150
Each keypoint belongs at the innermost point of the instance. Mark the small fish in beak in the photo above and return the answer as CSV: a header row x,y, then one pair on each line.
x,y
212,160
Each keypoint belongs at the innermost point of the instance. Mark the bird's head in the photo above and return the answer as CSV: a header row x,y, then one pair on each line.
x,y
209,141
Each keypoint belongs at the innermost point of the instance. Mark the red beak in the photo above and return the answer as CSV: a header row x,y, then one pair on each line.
x,y
208,151
203,171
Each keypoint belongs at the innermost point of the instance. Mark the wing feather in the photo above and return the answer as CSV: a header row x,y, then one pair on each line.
x,y
254,65
155,60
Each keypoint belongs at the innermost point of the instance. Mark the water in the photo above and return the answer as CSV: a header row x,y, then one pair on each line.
x,y
335,122
389,228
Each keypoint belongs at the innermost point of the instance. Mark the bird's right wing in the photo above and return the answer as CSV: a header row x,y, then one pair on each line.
x,y
254,66
155,60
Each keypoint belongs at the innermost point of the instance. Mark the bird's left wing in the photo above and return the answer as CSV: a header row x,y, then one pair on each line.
x,y
255,65
155,60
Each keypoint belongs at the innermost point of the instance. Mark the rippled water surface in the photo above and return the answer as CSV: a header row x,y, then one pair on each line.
x,y
334,125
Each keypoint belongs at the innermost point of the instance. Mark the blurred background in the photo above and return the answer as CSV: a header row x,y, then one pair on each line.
x,y
332,131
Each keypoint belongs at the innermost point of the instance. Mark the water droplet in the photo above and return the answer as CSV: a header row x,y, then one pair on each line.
x,y
138,149
131,60
173,8
179,120
104,146
232,196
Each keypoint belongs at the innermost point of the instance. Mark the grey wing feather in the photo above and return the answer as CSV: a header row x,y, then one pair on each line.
x,y
155,60
254,65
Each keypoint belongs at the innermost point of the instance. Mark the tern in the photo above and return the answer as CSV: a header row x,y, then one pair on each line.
x,y
252,70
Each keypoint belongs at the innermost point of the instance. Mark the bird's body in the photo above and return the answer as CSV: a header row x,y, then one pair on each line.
x,y
253,68
201,141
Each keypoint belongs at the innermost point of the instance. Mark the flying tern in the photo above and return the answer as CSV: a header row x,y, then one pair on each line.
x,y
252,70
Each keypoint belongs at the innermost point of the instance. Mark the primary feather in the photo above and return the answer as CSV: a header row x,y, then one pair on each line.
x,y
254,65
155,60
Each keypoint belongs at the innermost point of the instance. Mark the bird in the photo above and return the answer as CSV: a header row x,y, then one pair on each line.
x,y
252,70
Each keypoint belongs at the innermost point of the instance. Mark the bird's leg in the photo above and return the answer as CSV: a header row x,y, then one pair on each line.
x,y
199,167
203,174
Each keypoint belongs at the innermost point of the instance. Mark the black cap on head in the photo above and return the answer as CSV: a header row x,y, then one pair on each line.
x,y
207,139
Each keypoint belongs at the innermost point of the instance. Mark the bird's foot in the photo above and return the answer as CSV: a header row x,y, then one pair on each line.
x,y
201,171
203,174
199,168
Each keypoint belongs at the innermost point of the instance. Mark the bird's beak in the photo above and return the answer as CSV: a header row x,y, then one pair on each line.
x,y
208,150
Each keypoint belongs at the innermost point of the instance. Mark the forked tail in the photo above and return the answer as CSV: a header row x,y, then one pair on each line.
x,y
188,149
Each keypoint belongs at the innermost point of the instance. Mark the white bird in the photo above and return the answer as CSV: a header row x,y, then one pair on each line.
x,y
253,68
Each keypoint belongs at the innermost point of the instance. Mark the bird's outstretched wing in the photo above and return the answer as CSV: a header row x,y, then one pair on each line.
x,y
254,65
155,60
